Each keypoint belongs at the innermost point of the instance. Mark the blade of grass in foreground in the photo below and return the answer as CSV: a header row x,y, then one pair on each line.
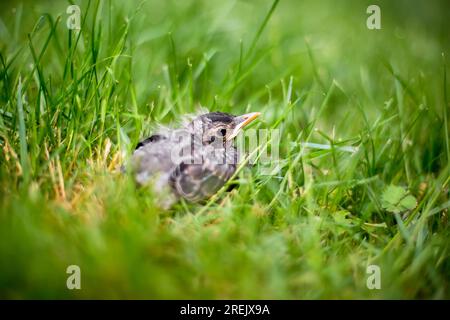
x,y
446,105
22,134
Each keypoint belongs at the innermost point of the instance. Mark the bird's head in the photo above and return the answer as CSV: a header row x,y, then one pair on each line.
x,y
220,128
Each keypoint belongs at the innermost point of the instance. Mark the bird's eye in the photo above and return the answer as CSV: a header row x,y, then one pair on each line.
x,y
223,132
212,139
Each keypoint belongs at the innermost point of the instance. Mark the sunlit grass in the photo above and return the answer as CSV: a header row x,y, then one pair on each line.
x,y
359,110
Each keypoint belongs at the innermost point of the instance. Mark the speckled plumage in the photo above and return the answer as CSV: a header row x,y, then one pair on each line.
x,y
192,162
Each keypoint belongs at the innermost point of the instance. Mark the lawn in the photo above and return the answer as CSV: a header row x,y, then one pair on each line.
x,y
363,179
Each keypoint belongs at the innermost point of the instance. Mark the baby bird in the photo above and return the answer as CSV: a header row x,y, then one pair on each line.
x,y
192,162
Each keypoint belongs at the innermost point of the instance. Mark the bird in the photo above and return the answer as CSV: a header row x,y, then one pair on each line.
x,y
191,162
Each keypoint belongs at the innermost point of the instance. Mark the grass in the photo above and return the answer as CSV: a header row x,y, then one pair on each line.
x,y
73,104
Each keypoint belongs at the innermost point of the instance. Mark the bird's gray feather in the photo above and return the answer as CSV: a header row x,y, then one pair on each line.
x,y
179,163
197,181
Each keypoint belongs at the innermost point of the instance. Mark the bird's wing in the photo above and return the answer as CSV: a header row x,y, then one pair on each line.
x,y
199,180
152,158
152,138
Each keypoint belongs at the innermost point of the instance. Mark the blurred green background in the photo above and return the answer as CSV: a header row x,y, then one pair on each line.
x,y
73,104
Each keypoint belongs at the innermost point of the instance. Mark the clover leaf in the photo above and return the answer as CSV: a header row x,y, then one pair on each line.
x,y
396,199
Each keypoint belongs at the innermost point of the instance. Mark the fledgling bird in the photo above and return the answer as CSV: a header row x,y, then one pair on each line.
x,y
192,162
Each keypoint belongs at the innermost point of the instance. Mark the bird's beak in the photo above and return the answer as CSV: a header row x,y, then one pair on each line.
x,y
243,121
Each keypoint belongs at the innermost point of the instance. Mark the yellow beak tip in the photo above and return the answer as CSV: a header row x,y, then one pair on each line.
x,y
246,119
